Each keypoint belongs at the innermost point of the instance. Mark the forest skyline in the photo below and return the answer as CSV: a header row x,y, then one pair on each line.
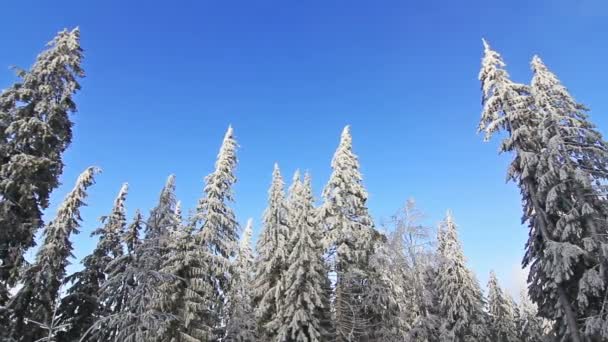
x,y
340,83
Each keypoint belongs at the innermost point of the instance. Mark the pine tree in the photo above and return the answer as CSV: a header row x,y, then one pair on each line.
x,y
216,232
461,301
502,324
80,308
35,130
241,325
271,261
143,317
348,239
304,310
41,282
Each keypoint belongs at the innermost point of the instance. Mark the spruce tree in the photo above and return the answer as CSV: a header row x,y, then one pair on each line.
x,y
37,298
35,130
186,298
573,166
559,165
348,239
501,313
271,261
304,310
143,316
80,308
216,232
178,299
131,237
120,284
461,303
292,201
241,325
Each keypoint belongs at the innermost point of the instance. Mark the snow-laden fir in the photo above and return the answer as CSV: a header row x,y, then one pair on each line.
x,y
560,166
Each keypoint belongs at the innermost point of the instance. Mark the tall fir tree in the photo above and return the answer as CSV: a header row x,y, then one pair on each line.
x,y
36,300
143,316
180,261
501,313
461,302
292,201
241,325
80,308
116,291
131,237
35,130
186,297
216,232
348,239
559,164
571,173
271,261
304,309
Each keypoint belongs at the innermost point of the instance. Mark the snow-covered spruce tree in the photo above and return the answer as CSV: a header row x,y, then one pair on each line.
x,y
216,232
559,161
348,239
131,237
292,202
41,281
178,212
35,129
120,283
241,326
292,205
508,106
271,260
80,308
501,313
182,263
304,310
190,292
144,316
573,167
461,303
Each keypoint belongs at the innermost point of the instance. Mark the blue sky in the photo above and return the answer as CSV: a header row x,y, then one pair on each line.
x,y
165,79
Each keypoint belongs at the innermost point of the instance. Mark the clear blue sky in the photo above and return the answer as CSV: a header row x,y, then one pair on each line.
x,y
164,80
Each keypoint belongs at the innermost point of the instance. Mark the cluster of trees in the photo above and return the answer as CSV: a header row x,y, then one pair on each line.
x,y
318,273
